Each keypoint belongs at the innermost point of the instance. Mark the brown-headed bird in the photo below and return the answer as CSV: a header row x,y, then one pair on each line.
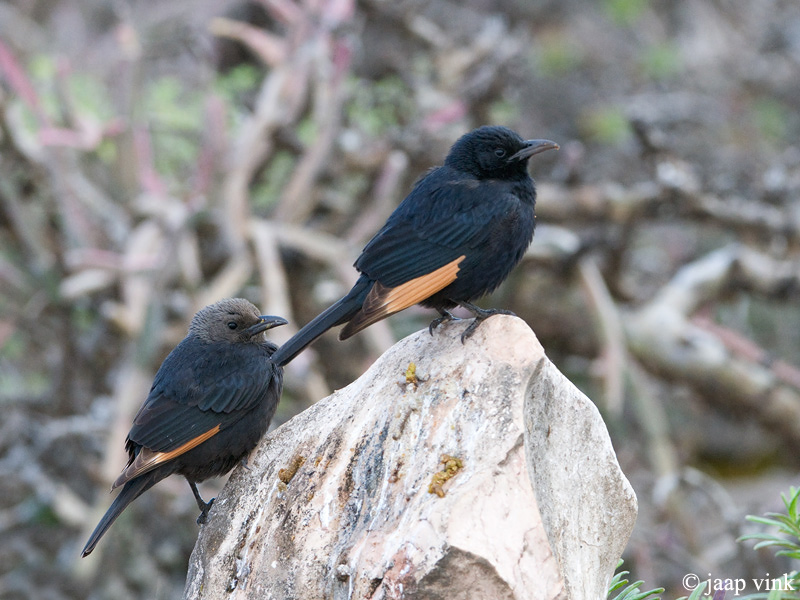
x,y
453,239
212,399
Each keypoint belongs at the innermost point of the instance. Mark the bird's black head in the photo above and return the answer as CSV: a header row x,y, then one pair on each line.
x,y
233,320
494,152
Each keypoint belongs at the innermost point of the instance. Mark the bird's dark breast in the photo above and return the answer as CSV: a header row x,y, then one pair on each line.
x,y
222,451
482,271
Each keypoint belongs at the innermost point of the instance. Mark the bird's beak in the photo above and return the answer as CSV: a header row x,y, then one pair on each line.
x,y
534,147
265,322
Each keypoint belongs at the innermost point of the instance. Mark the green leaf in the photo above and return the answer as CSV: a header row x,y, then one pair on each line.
x,y
789,525
696,592
631,591
763,520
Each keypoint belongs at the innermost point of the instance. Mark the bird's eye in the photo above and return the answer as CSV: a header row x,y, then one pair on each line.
x,y
232,324
499,153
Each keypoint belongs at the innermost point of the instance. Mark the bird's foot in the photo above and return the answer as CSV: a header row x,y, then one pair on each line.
x,y
443,318
244,463
480,314
203,506
203,516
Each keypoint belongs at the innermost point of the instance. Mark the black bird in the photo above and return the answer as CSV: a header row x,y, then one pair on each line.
x,y
212,399
454,238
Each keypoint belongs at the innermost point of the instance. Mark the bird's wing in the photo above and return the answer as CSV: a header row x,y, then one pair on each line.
x,y
198,391
420,249
438,222
383,301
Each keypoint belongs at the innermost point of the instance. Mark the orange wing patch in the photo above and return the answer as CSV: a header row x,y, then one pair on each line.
x,y
147,460
383,301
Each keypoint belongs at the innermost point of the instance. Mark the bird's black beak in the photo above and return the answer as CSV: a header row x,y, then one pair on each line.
x,y
265,322
534,147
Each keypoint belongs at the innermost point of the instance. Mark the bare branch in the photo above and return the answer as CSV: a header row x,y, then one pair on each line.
x,y
664,337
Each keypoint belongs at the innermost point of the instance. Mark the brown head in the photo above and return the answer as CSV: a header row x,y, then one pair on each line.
x,y
233,320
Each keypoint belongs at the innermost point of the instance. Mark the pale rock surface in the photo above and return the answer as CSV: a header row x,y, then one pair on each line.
x,y
357,519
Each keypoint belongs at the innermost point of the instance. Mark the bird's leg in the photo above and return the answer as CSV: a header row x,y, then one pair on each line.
x,y
444,317
203,506
480,314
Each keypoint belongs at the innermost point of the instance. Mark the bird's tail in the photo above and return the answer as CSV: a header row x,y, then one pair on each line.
x,y
339,313
131,490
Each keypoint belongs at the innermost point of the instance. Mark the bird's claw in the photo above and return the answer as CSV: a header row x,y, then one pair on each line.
x,y
444,318
481,314
203,517
473,327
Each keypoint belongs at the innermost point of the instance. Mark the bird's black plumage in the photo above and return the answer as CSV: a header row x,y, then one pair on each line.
x,y
453,239
211,401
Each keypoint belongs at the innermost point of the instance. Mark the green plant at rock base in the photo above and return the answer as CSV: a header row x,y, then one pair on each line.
x,y
787,541
787,525
629,591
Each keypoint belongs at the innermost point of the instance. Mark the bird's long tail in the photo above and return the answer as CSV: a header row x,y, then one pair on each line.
x,y
339,313
130,491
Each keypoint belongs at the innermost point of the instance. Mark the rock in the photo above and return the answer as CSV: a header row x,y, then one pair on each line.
x,y
422,482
